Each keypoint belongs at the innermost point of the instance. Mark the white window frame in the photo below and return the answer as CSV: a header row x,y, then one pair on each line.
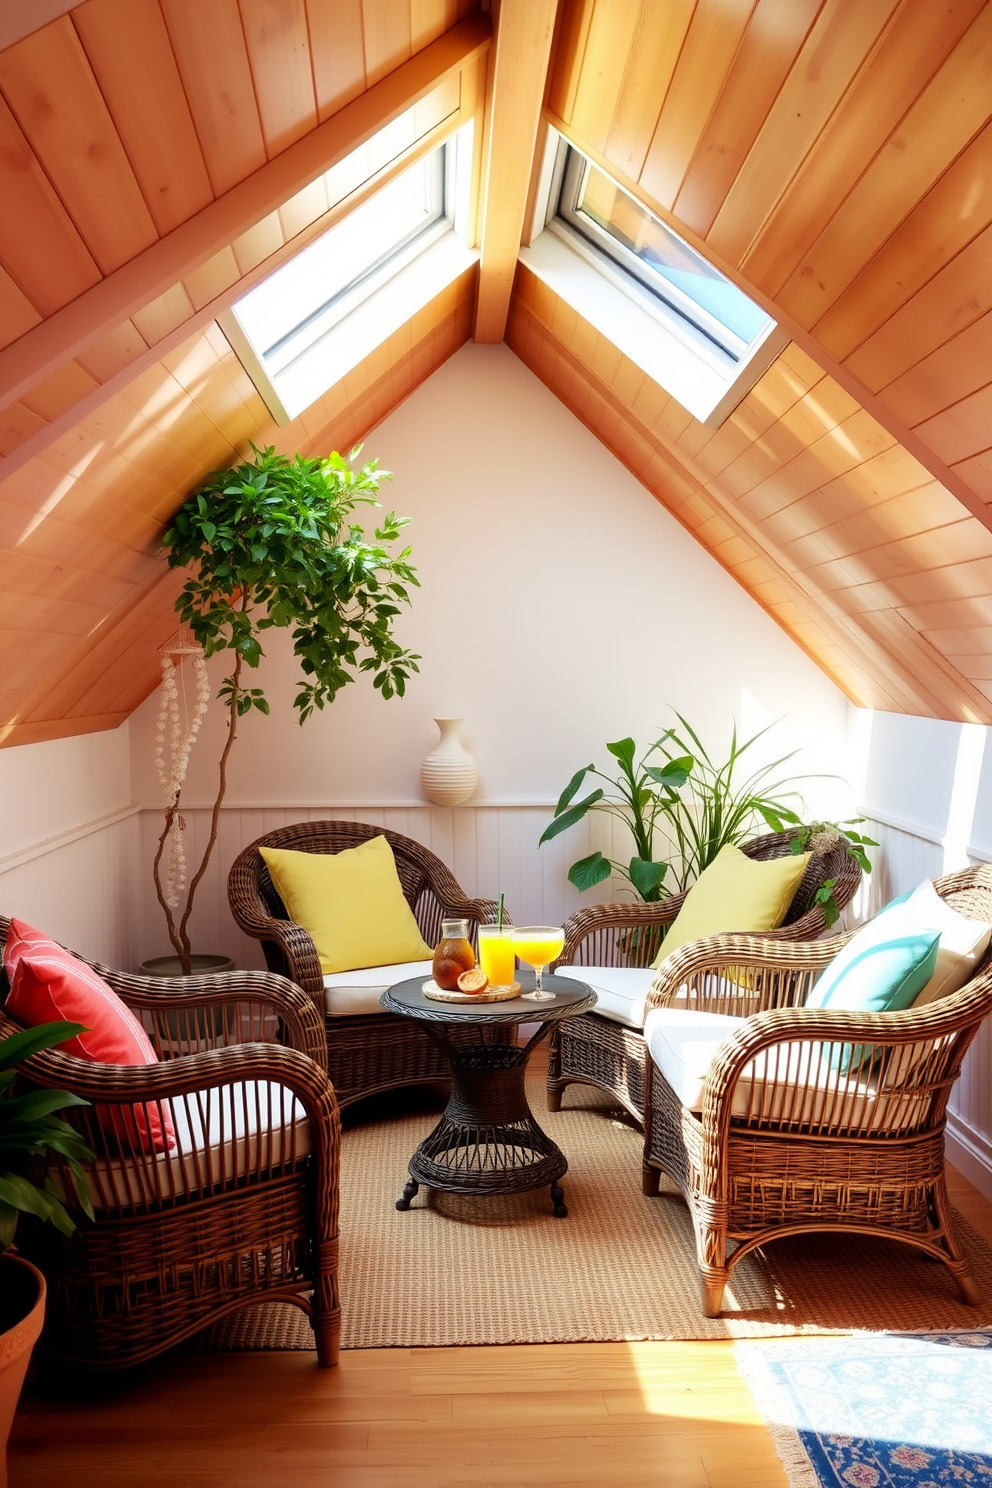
x,y
331,340
665,344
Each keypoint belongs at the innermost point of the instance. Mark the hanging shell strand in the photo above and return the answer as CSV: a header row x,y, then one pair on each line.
x,y
172,746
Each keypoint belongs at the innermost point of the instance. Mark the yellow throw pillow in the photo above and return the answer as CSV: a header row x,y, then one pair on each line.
x,y
735,893
350,902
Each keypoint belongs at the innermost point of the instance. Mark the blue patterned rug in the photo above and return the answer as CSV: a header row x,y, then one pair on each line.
x,y
879,1410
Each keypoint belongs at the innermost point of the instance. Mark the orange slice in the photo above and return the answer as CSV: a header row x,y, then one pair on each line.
x,y
473,981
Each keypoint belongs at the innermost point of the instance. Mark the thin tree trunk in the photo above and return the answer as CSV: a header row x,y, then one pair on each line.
x,y
177,944
232,729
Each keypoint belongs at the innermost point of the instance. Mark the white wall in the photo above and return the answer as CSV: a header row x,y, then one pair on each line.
x,y
560,606
68,856
928,789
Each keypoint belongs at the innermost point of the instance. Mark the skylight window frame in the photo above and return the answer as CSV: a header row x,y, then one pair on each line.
x,y
376,302
697,320
679,356
378,272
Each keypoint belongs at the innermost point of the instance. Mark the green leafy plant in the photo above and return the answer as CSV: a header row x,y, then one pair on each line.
x,y
676,791
30,1128
271,543
817,836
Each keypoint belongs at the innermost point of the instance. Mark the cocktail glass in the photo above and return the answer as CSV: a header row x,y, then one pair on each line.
x,y
538,945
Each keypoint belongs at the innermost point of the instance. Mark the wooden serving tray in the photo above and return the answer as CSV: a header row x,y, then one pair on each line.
x,y
491,994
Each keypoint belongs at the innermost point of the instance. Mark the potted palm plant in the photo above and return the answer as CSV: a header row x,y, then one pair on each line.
x,y
273,543
29,1128
696,805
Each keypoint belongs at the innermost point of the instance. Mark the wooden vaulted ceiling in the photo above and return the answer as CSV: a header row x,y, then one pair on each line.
x,y
157,157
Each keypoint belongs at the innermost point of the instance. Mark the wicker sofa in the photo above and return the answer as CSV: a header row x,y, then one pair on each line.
x,y
806,1119
605,1048
242,1209
367,1049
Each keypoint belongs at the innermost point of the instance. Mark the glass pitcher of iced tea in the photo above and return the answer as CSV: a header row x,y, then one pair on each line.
x,y
454,954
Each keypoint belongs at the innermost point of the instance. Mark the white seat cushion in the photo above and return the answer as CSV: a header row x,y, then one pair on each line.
x,y
620,990
221,1134
787,1083
348,993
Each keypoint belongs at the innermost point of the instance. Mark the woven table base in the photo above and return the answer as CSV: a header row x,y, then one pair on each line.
x,y
458,1270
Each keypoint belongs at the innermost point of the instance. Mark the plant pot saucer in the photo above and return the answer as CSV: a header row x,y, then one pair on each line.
x,y
169,966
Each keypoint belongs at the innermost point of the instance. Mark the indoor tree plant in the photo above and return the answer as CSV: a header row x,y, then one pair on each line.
x,y
676,790
29,1128
272,543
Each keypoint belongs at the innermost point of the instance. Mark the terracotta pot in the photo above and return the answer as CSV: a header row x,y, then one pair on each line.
x,y
168,966
22,1312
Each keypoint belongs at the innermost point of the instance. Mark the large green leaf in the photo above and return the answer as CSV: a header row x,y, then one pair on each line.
x,y
588,872
571,788
674,774
623,750
647,878
570,817
20,1046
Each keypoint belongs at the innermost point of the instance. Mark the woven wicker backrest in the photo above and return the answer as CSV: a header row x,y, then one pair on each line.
x,y
427,883
834,862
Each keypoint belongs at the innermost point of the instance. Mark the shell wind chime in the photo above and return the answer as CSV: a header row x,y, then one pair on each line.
x,y
178,725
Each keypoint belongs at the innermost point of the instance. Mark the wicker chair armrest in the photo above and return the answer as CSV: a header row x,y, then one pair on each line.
x,y
113,1085
303,1023
624,915
128,1084
767,972
955,1015
482,911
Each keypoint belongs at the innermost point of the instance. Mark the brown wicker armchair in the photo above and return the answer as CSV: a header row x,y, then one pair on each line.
x,y
243,1209
372,1051
811,1119
597,1050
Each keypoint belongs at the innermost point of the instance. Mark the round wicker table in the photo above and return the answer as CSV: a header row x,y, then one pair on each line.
x,y
487,1141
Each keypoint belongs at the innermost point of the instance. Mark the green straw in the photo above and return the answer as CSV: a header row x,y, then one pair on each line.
x,y
499,920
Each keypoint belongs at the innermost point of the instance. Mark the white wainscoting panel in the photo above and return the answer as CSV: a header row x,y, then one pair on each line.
x,y
489,849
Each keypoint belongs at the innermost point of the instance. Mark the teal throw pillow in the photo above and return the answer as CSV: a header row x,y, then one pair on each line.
x,y
888,962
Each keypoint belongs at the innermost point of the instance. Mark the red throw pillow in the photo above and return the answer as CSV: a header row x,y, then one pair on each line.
x,y
21,935
48,983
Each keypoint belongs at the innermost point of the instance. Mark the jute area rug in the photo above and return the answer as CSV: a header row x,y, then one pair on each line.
x,y
456,1270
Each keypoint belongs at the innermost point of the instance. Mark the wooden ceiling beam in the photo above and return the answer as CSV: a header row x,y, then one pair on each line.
x,y
519,72
38,442
46,346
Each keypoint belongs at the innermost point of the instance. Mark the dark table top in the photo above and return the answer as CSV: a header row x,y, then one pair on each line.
x,y
571,997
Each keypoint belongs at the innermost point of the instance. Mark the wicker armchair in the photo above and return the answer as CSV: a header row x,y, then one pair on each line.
x,y
811,1119
243,1209
597,1050
368,1052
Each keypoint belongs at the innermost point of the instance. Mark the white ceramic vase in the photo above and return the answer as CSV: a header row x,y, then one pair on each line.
x,y
448,774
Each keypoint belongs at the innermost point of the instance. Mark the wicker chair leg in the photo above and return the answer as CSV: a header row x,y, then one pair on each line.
x,y
650,1180
955,1261
712,1282
327,1334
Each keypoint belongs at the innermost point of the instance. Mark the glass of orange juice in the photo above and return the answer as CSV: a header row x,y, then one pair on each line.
x,y
497,956
538,945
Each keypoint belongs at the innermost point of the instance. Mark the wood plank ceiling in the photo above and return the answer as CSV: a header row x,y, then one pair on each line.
x,y
834,157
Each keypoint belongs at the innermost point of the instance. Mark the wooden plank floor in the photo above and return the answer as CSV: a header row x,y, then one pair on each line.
x,y
630,1415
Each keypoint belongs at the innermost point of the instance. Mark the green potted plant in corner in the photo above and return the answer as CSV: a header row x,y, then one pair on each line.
x,y
273,543
676,791
29,1128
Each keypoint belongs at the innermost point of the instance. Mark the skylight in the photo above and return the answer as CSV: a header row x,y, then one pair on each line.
x,y
316,317
631,276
